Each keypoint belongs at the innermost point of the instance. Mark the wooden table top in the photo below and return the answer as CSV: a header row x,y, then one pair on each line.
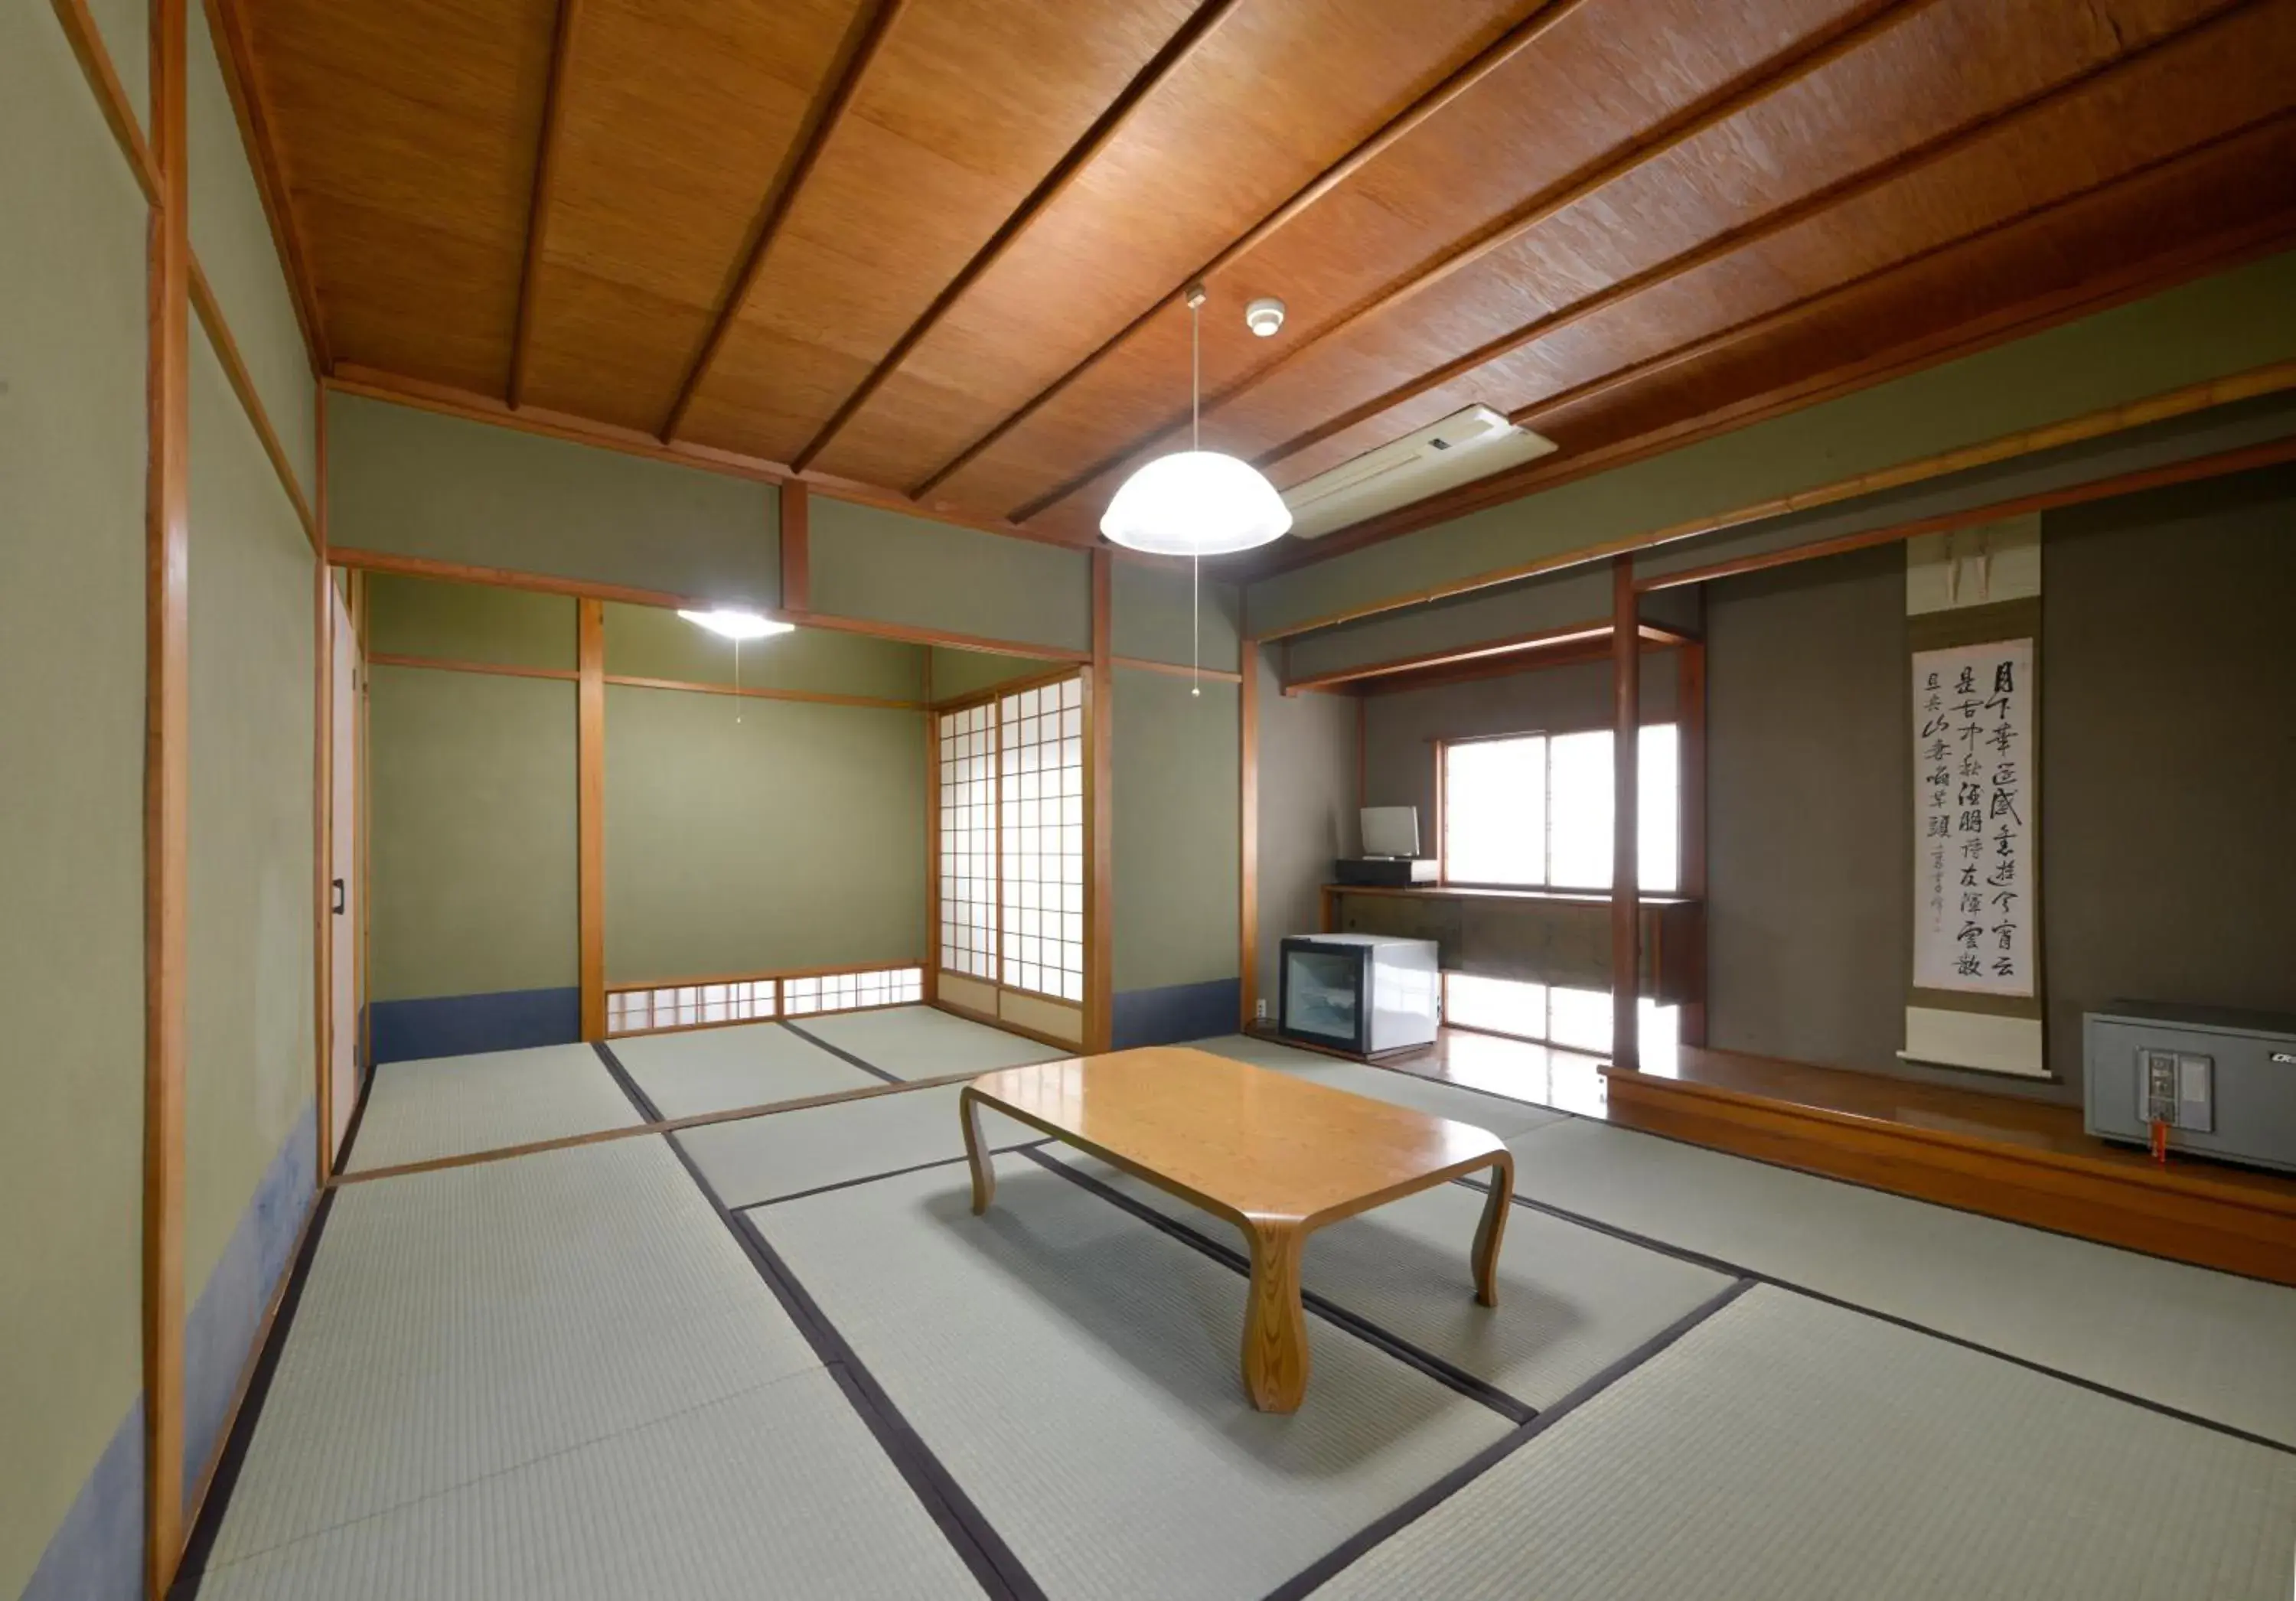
x,y
1251,1143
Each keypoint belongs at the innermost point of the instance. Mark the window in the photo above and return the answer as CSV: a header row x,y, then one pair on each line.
x,y
852,991
1012,840
1534,810
656,1008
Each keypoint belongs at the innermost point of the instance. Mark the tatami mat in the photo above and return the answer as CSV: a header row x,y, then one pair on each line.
x,y
460,1323
747,1064
2209,1344
779,1491
1075,1371
1571,1301
455,1105
1503,1117
1788,1450
788,1153
924,1042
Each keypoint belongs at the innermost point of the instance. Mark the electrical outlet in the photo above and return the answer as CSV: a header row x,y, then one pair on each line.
x,y
1259,1010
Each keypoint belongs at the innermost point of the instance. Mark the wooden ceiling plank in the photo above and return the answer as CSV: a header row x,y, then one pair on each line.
x,y
2180,265
1056,183
1493,56
1753,327
237,55
1930,152
1853,29
871,26
537,216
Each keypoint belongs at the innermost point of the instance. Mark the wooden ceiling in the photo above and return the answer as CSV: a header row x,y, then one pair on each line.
x,y
935,247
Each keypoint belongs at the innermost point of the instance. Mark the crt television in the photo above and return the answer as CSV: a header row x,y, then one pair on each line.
x,y
1391,831
1364,993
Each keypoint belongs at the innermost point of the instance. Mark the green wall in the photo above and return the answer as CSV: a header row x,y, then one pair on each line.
x,y
649,642
250,1022
471,848
1174,846
957,673
71,699
2227,323
1308,747
1149,608
415,483
744,835
469,622
885,567
232,238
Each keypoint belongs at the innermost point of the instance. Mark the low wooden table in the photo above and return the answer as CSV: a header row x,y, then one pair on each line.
x,y
1276,1156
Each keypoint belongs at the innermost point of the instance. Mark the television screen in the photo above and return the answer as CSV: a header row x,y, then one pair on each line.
x,y
1391,831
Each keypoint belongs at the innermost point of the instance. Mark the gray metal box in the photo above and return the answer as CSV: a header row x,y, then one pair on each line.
x,y
2233,1087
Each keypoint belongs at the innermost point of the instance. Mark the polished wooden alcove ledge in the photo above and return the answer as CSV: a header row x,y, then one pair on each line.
x,y
2022,1161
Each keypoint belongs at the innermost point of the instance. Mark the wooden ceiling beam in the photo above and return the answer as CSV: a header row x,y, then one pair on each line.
x,y
1852,30
1166,61
871,24
538,212
1852,186
1498,53
2124,283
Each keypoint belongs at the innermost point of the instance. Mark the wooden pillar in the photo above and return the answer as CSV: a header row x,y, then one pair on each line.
x,y
1099,909
1247,910
797,548
590,766
1626,707
167,780
1690,722
323,808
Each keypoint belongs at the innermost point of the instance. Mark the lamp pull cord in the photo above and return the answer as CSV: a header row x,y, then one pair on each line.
x,y
1196,442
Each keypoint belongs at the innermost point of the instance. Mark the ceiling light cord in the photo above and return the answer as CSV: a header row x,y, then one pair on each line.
x,y
1196,442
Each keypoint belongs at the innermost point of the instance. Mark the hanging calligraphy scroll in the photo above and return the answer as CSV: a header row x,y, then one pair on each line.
x,y
1974,995
1974,900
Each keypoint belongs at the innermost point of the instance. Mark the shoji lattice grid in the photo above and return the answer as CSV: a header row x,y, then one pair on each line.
x,y
852,991
968,842
1040,770
687,1006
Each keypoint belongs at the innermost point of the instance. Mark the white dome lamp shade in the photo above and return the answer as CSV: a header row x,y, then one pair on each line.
x,y
1195,502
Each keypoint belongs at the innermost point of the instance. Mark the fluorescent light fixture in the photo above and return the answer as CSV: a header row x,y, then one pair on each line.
x,y
734,624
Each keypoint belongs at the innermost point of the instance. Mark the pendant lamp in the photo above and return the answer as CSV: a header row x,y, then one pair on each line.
x,y
1195,502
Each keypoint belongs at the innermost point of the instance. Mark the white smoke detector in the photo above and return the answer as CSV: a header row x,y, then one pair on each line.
x,y
1264,315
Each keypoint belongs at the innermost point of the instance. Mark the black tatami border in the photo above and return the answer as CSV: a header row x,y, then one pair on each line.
x,y
840,1052
192,1569
1403,1350
1717,1264
983,1551
1379,1531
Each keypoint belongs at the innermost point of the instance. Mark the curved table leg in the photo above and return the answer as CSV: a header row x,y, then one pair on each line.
x,y
976,1151
1493,1228
1274,1325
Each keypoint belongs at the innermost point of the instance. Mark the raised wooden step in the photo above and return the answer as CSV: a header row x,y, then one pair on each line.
x,y
2007,1159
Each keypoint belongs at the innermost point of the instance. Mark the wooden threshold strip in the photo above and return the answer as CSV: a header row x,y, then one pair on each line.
x,y
449,665
665,1126
756,691
1177,669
